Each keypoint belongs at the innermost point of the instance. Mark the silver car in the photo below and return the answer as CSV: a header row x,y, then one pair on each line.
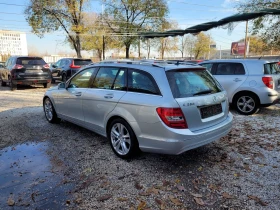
x,y
250,83
161,109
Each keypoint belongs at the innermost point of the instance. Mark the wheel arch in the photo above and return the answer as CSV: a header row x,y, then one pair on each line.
x,y
245,92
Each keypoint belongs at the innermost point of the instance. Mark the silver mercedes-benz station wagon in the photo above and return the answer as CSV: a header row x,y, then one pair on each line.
x,y
153,108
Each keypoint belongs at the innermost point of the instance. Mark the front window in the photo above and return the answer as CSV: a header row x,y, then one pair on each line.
x,y
82,79
105,77
191,82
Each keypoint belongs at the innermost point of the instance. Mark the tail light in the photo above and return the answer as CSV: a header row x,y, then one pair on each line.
x,y
268,81
46,66
17,66
172,117
73,66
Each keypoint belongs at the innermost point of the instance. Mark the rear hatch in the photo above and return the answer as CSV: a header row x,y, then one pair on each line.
x,y
201,98
77,64
272,70
32,68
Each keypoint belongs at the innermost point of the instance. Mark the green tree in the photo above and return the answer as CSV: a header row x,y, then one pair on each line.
x,y
128,17
267,26
96,33
51,15
202,45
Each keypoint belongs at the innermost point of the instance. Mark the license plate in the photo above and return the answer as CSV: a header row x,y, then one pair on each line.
x,y
210,111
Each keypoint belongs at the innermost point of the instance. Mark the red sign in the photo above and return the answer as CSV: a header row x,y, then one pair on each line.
x,y
237,48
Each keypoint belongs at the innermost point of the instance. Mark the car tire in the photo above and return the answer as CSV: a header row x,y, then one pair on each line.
x,y
246,103
50,112
64,78
122,139
12,86
3,83
47,85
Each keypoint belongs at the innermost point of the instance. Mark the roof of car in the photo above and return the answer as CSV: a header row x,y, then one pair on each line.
x,y
150,66
239,61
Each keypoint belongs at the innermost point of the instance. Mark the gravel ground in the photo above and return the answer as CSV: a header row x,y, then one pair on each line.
x,y
240,171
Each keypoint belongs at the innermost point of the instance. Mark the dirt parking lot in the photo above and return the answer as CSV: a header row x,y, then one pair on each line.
x,y
63,166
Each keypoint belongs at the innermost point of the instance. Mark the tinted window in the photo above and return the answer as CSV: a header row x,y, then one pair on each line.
x,y
230,69
186,83
30,61
120,82
82,79
105,77
142,82
82,62
271,68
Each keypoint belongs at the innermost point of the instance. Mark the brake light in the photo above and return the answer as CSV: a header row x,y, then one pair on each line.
x,y
17,66
73,66
268,81
46,66
172,117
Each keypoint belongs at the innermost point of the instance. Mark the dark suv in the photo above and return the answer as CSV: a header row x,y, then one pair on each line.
x,y
25,70
64,68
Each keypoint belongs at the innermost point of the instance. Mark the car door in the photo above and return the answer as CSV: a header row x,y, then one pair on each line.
x,y
55,69
107,89
230,75
69,99
8,67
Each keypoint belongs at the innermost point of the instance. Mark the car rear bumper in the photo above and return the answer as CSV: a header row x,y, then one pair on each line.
x,y
176,143
31,81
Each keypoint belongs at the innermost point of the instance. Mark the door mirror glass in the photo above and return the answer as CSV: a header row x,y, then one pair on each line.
x,y
61,85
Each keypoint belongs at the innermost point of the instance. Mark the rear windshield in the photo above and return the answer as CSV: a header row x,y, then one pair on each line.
x,y
30,61
82,62
271,68
187,83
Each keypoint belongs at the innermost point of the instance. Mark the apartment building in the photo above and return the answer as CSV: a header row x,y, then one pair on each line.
x,y
13,43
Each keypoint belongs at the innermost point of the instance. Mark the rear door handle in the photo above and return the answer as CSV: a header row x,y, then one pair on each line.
x,y
78,94
110,95
237,80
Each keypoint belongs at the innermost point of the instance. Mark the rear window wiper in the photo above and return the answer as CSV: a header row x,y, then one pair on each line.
x,y
203,92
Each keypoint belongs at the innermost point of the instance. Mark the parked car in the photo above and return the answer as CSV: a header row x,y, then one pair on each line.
x,y
24,70
64,68
250,83
163,109
2,64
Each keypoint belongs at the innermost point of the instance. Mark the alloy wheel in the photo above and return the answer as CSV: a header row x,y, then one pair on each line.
x,y
48,109
120,138
246,104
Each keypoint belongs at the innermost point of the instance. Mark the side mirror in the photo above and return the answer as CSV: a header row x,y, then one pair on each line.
x,y
62,85
54,66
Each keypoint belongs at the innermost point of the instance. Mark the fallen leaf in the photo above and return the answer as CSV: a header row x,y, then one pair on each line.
x,y
160,203
176,201
177,181
138,186
258,200
10,202
122,199
213,187
141,205
153,190
200,168
104,197
142,193
199,201
165,183
104,184
78,200
226,195
196,195
237,174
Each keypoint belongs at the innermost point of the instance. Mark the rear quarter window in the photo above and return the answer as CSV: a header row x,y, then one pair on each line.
x,y
271,68
82,62
188,83
230,69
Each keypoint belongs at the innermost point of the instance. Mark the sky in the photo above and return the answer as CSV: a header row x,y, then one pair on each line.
x,y
185,12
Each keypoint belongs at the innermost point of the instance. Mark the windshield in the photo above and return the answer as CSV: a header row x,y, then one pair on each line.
x,y
191,82
271,68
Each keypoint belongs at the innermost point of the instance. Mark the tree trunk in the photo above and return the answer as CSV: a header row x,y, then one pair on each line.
x,y
78,46
127,46
182,54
